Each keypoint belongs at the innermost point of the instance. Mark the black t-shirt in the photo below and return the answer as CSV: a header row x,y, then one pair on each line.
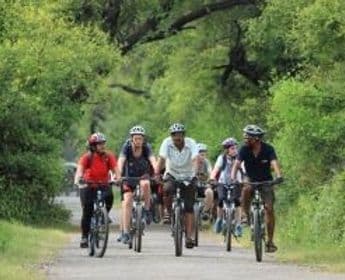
x,y
258,168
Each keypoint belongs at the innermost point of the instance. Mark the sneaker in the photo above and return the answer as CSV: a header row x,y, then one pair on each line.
x,y
217,227
167,219
84,242
270,247
148,216
189,243
120,237
126,239
238,231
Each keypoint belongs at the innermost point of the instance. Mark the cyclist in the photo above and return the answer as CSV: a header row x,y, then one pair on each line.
x,y
258,158
135,160
204,169
179,156
221,170
93,168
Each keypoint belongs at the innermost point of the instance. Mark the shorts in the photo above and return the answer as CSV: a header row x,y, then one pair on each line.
x,y
187,192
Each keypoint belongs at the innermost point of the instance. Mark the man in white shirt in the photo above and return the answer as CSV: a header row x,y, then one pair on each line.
x,y
179,156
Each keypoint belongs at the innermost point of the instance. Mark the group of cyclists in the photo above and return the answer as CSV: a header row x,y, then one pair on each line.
x,y
180,157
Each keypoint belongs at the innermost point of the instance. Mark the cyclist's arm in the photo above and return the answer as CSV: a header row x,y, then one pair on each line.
x,y
276,168
214,172
78,174
153,162
120,165
159,165
234,170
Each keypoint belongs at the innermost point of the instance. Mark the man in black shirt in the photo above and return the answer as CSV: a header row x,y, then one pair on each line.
x,y
258,158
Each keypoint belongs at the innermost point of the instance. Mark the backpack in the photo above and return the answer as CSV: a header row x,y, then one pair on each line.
x,y
224,162
105,158
222,168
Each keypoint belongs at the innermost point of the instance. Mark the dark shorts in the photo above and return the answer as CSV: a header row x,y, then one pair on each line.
x,y
128,186
188,193
236,194
267,194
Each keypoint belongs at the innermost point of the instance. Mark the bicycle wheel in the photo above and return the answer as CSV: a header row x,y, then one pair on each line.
x,y
257,235
196,224
138,228
178,232
101,232
229,216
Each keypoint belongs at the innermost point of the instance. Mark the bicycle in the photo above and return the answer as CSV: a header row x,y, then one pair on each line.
x,y
99,226
229,215
177,221
137,223
257,217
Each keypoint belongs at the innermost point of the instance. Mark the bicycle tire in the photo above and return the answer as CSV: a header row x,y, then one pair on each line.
x,y
257,235
178,232
229,214
138,229
101,232
196,224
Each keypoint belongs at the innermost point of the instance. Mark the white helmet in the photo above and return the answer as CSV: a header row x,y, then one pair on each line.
x,y
137,130
202,147
177,127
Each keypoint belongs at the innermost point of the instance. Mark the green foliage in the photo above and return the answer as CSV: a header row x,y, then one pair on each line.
x,y
48,67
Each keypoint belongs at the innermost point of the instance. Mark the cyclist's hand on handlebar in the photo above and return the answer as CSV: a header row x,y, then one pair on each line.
x,y
212,182
278,180
235,183
158,178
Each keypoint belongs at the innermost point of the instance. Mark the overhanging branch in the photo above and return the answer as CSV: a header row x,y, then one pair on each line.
x,y
151,24
130,89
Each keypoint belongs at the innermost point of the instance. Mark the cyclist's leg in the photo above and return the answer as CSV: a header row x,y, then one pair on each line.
x,y
168,191
217,227
86,198
127,204
109,198
269,198
146,192
188,194
208,201
246,197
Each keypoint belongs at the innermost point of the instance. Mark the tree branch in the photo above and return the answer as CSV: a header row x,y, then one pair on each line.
x,y
111,15
238,61
152,23
130,89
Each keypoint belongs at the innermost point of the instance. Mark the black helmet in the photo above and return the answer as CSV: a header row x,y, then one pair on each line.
x,y
253,130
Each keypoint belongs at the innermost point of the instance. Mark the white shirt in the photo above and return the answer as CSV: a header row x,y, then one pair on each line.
x,y
178,163
224,176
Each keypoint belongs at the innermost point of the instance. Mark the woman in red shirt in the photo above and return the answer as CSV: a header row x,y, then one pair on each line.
x,y
93,168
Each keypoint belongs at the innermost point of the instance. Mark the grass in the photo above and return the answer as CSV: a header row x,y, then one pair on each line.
x,y
325,258
24,250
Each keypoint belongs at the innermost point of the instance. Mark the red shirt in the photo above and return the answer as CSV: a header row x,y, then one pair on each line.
x,y
96,166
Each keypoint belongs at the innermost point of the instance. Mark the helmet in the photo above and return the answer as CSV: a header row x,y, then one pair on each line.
x,y
253,130
202,147
96,138
137,130
228,142
177,127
